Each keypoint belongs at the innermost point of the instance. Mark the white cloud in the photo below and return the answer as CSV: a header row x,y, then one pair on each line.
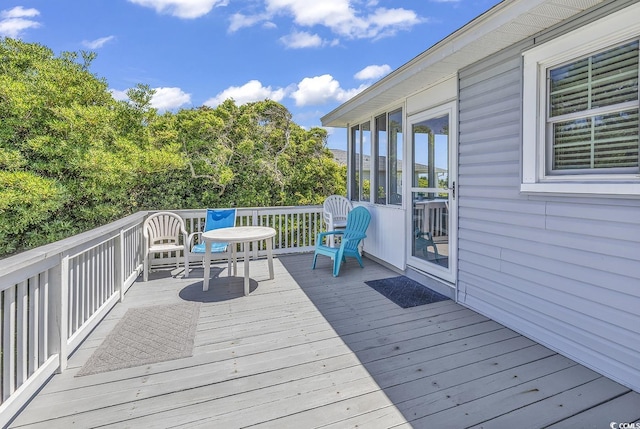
x,y
386,19
247,93
119,95
321,90
337,15
163,99
19,12
169,98
187,9
301,39
342,19
373,72
98,43
239,21
309,13
14,21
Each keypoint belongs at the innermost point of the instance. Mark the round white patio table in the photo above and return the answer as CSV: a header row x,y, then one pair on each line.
x,y
234,235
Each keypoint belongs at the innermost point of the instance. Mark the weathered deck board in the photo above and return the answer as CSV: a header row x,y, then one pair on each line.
x,y
309,350
621,409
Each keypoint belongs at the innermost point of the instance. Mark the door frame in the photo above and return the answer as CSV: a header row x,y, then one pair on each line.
x,y
448,274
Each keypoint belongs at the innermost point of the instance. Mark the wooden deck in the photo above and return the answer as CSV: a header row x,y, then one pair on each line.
x,y
308,350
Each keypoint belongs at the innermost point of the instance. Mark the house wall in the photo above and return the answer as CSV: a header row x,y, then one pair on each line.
x,y
434,96
564,271
386,234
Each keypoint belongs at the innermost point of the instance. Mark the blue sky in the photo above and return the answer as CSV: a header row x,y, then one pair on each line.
x,y
309,55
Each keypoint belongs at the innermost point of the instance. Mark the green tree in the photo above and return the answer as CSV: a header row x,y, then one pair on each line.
x,y
62,130
73,158
255,155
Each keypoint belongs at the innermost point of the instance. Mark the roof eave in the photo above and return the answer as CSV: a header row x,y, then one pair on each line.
x,y
456,51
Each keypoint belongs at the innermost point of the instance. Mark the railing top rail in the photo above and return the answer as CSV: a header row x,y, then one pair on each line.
x,y
299,209
16,262
48,254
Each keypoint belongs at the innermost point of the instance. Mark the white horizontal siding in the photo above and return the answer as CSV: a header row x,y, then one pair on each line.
x,y
386,234
564,271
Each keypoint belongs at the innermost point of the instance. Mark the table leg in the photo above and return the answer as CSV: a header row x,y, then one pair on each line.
x,y
207,266
269,244
246,269
234,252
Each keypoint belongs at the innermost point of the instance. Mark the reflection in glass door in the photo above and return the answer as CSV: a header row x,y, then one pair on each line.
x,y
432,194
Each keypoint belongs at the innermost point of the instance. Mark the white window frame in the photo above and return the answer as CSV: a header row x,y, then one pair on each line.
x,y
607,32
352,168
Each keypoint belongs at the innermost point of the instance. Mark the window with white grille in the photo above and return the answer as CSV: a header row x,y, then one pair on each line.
x,y
593,113
580,126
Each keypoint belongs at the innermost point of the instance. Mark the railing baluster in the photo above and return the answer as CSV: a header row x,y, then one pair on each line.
x,y
96,278
8,343
299,220
108,264
100,274
120,249
34,324
22,332
63,311
286,230
43,323
305,227
80,292
279,240
84,305
106,270
91,282
74,279
74,293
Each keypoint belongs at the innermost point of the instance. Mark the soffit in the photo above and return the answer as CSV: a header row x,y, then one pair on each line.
x,y
507,23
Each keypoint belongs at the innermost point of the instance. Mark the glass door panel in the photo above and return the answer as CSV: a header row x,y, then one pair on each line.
x,y
430,192
395,157
367,171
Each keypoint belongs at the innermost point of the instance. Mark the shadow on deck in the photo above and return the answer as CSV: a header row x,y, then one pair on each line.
x,y
310,350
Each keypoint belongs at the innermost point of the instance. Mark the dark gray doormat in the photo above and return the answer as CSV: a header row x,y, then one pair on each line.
x,y
147,335
406,292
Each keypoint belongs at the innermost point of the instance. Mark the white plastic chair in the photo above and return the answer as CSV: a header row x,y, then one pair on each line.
x,y
162,233
334,211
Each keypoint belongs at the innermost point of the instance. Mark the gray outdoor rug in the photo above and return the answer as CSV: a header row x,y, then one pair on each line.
x,y
146,335
406,292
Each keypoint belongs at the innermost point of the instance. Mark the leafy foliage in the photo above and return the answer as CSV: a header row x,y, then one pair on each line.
x,y
73,158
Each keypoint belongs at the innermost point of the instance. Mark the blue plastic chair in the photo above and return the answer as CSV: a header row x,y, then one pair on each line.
x,y
215,219
357,223
424,240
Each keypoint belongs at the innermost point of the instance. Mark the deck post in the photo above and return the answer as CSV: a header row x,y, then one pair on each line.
x,y
59,330
119,268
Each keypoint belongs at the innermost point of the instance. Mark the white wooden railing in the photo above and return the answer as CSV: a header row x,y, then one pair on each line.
x,y
297,227
52,297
